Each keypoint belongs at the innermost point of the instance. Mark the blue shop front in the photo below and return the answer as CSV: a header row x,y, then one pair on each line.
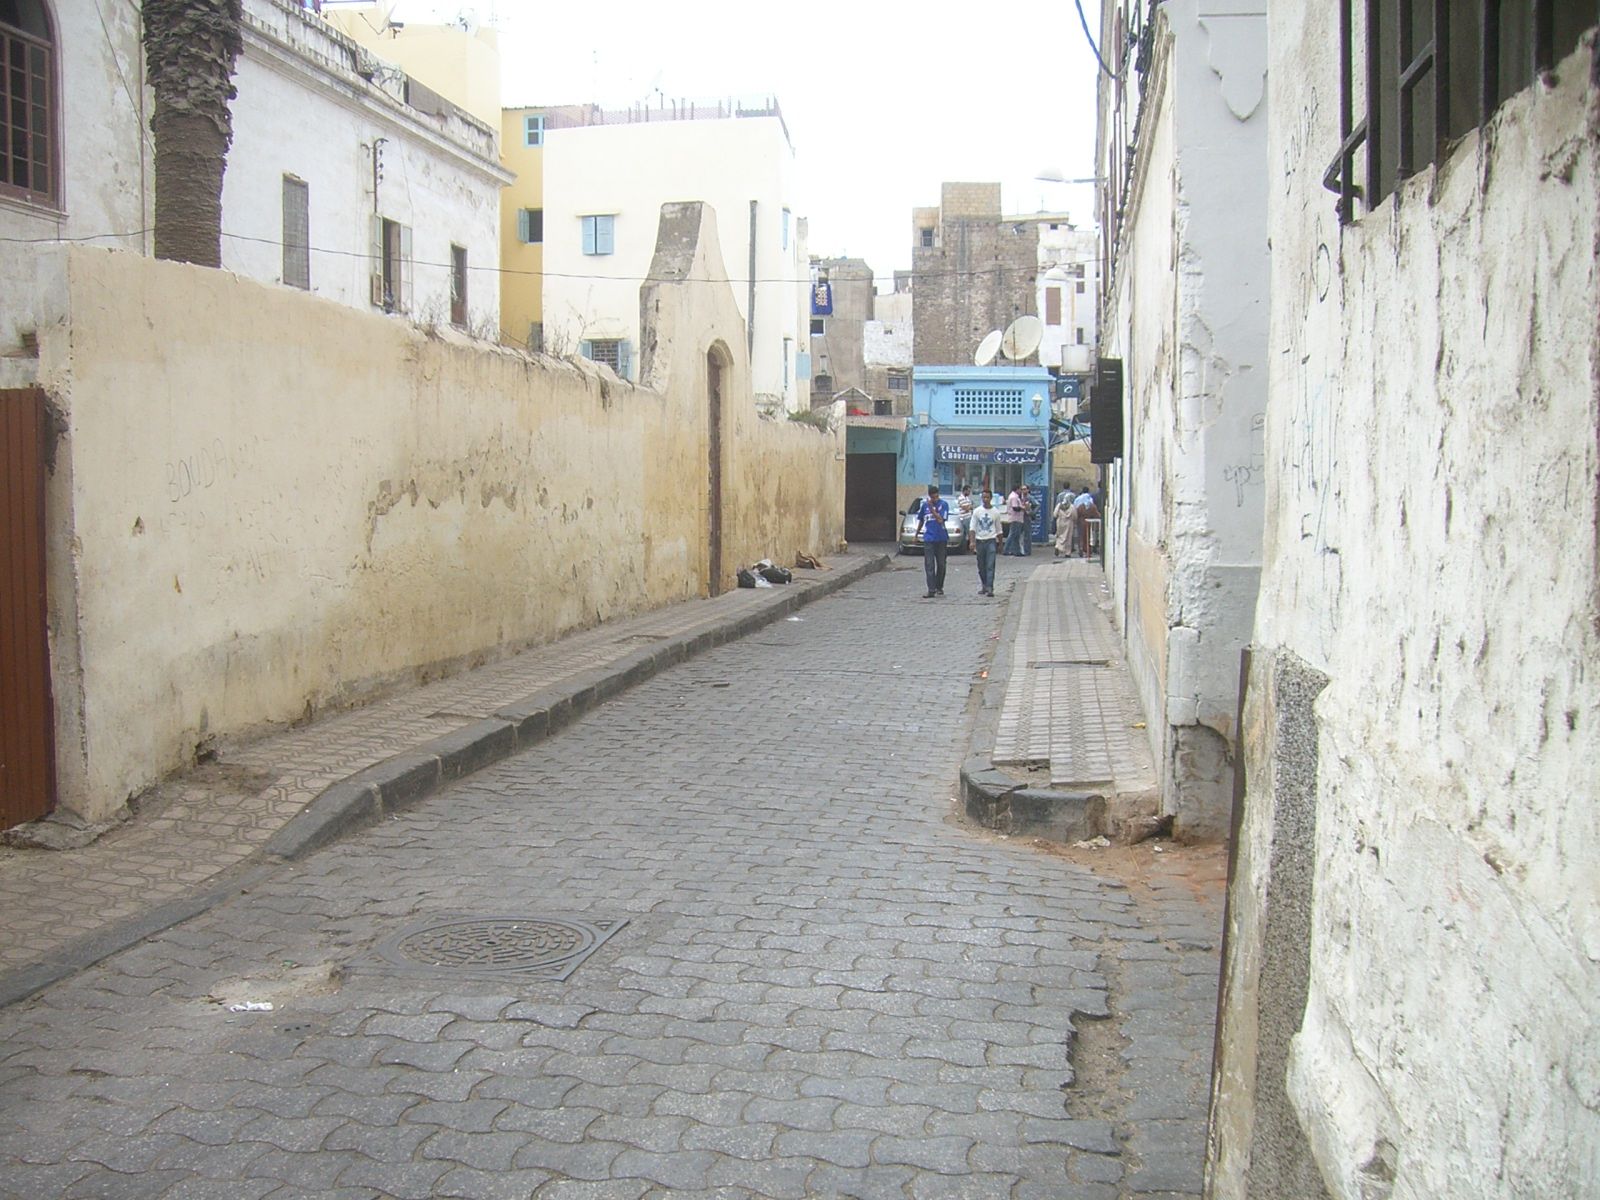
x,y
978,425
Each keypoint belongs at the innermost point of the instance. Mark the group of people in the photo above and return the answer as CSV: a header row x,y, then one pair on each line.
x,y
991,522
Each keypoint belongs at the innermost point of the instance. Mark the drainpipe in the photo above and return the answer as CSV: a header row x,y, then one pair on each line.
x,y
750,318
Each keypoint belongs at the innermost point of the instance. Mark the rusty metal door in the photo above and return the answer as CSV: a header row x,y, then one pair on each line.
x,y
27,715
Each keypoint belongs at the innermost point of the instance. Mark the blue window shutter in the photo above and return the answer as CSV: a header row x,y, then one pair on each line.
x,y
589,230
625,359
586,348
605,236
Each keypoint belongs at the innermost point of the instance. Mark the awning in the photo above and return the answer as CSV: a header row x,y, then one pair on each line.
x,y
988,446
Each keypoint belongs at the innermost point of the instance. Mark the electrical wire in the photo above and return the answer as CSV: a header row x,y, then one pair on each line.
x,y
986,272
1089,37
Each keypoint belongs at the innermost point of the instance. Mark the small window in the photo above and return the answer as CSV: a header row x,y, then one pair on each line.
x,y
599,235
1083,336
788,347
533,130
613,352
819,326
823,383
530,226
29,112
1052,306
392,274
927,238
786,229
296,233
899,381
458,286
1078,287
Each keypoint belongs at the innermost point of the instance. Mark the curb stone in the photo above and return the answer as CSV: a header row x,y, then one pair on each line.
x,y
405,779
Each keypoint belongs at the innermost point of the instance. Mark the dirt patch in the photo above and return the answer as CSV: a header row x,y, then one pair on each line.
x,y
1203,868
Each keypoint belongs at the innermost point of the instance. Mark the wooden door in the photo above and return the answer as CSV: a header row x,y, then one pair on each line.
x,y
27,714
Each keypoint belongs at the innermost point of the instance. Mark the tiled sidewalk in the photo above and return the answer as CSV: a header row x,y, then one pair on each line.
x,y
198,828
1069,701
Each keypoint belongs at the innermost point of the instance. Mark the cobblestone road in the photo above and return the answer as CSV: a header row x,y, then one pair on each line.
x,y
825,986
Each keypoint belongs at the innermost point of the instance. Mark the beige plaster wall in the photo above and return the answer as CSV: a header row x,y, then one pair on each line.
x,y
265,504
1431,567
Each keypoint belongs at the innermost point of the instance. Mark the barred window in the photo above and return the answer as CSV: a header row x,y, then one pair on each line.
x,y
1430,71
296,233
29,113
988,402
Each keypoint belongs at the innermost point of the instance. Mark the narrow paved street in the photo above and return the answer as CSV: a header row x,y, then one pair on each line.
x,y
824,986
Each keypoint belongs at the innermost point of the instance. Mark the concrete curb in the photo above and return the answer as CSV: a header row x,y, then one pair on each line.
x,y
398,783
994,799
405,779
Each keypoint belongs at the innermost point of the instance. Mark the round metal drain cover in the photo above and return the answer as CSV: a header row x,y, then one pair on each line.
x,y
545,947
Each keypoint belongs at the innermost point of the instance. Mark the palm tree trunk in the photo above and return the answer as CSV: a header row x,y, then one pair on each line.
x,y
190,47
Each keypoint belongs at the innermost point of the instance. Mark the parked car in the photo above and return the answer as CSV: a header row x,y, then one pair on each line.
x,y
911,536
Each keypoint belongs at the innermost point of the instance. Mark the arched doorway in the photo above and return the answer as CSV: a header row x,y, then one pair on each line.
x,y
717,372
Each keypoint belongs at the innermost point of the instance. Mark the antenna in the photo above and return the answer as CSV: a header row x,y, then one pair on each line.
x,y
988,348
1022,338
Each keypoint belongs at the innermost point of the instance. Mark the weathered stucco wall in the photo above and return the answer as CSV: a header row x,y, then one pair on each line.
x,y
1432,552
265,503
1190,322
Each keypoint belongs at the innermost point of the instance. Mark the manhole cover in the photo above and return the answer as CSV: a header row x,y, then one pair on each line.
x,y
538,948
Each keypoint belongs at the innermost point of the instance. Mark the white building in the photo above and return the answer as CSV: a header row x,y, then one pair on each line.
x,y
1184,224
606,176
355,182
303,203
1068,288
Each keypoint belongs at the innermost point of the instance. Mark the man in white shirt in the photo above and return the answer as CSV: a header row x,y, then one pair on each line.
x,y
982,534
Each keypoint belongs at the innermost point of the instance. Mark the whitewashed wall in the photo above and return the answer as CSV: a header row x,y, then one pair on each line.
x,y
302,111
107,187
1432,556
630,170
1191,316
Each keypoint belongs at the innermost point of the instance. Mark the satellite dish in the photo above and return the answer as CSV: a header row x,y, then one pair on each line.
x,y
1022,338
988,348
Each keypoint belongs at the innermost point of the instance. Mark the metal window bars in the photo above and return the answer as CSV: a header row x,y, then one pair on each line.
x,y
1408,74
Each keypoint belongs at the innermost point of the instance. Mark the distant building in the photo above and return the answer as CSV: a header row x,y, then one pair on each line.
x,y
522,228
1068,287
973,270
606,175
886,352
836,335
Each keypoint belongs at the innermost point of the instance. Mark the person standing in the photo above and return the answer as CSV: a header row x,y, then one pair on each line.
x,y
1062,514
1083,510
1015,511
983,540
931,516
1030,514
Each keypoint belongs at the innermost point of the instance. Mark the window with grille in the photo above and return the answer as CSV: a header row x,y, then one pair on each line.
x,y
28,106
988,402
1428,72
296,233
819,326
530,226
616,353
899,381
927,238
458,285
533,130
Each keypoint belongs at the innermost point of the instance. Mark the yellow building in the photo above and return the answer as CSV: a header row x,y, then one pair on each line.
x,y
461,62
522,228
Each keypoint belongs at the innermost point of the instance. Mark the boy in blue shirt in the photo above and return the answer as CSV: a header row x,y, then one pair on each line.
x,y
931,516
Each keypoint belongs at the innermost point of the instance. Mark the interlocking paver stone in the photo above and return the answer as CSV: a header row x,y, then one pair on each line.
x,y
825,987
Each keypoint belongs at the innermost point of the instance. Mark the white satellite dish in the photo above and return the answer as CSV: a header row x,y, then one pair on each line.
x,y
1022,338
988,348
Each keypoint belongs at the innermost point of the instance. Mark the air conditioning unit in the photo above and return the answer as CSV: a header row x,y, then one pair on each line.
x,y
922,418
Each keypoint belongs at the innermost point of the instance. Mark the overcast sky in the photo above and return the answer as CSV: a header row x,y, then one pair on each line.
x,y
883,99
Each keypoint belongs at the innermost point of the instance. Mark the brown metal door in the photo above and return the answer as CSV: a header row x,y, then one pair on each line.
x,y
869,505
716,374
27,744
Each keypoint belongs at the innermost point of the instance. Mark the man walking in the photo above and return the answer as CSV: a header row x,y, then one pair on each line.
x,y
982,535
1015,511
931,517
